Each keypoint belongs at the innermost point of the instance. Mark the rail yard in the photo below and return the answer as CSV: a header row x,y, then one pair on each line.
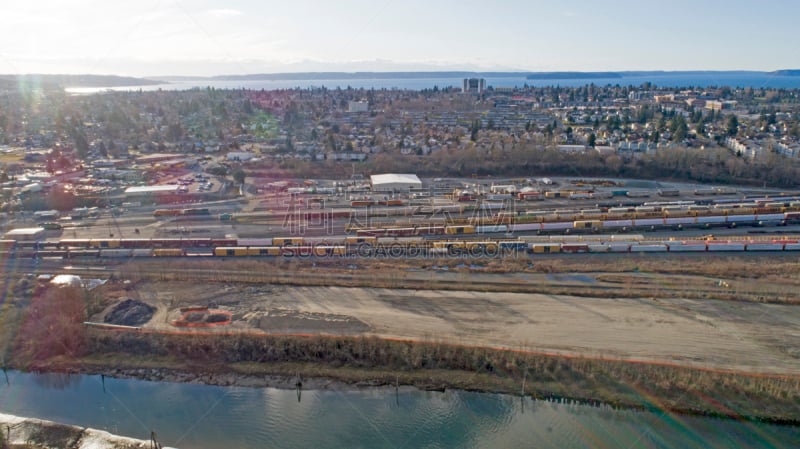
x,y
441,220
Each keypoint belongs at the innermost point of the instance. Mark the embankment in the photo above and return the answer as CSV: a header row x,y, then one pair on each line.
x,y
277,361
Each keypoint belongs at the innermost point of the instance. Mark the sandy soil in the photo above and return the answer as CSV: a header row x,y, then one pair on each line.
x,y
723,334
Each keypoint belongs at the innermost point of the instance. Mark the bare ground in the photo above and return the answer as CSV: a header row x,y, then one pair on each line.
x,y
735,335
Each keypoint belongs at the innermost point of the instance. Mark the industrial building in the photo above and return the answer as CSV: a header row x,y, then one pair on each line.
x,y
25,234
394,182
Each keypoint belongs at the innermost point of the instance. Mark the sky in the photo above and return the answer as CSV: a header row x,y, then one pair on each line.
x,y
212,37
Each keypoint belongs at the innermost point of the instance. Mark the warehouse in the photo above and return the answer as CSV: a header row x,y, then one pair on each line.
x,y
394,182
25,234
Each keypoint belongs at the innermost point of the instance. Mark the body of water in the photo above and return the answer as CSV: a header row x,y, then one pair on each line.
x,y
666,79
200,416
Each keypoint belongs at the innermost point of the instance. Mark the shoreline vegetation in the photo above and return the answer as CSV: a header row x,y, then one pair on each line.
x,y
333,362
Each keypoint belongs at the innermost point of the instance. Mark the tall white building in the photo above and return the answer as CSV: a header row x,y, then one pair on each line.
x,y
474,85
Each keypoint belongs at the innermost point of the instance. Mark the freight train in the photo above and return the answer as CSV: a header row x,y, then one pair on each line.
x,y
373,246
618,221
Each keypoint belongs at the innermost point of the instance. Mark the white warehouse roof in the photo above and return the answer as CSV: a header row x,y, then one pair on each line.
x,y
390,181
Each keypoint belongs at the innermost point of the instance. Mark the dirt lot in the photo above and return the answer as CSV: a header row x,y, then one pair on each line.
x,y
724,334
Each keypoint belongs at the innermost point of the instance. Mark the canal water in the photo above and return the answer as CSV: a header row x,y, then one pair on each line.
x,y
200,417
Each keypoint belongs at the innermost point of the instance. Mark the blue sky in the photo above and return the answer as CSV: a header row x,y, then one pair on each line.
x,y
209,37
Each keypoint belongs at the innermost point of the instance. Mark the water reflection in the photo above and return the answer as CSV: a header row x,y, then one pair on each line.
x,y
198,416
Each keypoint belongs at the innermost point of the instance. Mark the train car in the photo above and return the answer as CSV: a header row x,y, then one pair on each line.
x,y
457,230
287,241
116,253
619,247
545,248
480,248
598,247
686,246
401,232
764,246
711,220
574,248
525,227
770,219
104,243
135,243
791,246
648,223
224,242
169,252
7,245
587,225
679,222
491,229
263,251
196,212
617,224
158,213
237,251
741,220
513,245
248,242
717,246
556,226
648,248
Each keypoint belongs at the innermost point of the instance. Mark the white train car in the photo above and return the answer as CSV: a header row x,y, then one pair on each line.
x,y
617,223
725,246
525,227
764,246
557,226
682,247
619,247
741,220
771,219
490,229
648,248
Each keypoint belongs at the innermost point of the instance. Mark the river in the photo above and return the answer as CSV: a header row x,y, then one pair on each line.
x,y
201,416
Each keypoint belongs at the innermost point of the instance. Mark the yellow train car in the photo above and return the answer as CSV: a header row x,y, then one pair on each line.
x,y
545,248
287,241
230,251
261,251
169,252
587,224
457,230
